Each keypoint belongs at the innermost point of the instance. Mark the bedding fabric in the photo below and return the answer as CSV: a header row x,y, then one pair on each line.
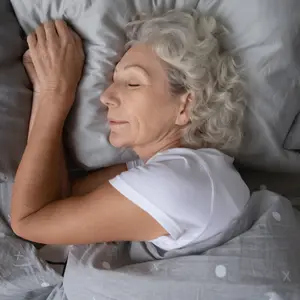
x,y
15,95
257,257
264,36
22,272
293,139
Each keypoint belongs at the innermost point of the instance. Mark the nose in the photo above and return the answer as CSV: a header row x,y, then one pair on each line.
x,y
109,97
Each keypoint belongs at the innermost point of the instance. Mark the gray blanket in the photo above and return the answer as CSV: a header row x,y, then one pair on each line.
x,y
257,257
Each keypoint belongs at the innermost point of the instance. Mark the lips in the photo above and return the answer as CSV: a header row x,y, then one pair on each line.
x,y
113,122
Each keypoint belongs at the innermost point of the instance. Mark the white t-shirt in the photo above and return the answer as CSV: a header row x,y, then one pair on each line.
x,y
193,194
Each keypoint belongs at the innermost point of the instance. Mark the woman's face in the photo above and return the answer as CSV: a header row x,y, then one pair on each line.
x,y
141,109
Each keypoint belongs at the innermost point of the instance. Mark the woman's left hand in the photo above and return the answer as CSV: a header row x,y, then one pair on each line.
x,y
57,56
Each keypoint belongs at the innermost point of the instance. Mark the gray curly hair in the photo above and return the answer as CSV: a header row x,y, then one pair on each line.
x,y
190,45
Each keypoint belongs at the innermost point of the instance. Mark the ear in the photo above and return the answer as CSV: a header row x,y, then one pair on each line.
x,y
186,100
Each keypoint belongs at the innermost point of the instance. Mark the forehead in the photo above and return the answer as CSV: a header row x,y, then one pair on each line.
x,y
142,55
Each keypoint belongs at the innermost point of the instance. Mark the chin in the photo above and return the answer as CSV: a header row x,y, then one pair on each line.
x,y
117,141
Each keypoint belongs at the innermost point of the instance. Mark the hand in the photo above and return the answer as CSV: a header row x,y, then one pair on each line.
x,y
54,62
28,64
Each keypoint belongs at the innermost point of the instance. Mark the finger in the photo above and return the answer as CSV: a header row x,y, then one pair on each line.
x,y
62,29
33,55
40,33
78,40
29,67
27,57
32,40
31,72
50,30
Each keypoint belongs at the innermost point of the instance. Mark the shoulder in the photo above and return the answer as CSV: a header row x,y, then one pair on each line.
x,y
207,173
175,171
182,161
207,170
184,188
172,187
185,161
177,162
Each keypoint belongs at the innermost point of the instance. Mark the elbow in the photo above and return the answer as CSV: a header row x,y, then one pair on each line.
x,y
27,231
16,228
19,229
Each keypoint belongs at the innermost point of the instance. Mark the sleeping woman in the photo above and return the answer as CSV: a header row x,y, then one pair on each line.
x,y
175,99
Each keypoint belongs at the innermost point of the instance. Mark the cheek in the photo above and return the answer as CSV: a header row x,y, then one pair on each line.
x,y
138,110
137,119
133,112
150,117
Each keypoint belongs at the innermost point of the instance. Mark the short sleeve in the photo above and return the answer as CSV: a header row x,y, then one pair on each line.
x,y
193,194
168,191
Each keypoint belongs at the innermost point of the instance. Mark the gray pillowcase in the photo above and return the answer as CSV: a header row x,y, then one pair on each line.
x,y
264,35
15,96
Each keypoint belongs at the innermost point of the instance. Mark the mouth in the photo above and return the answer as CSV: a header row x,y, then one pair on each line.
x,y
116,122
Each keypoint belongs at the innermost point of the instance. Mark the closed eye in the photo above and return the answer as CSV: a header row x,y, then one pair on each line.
x,y
133,85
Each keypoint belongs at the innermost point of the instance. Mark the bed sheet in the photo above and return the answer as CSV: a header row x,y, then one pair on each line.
x,y
257,257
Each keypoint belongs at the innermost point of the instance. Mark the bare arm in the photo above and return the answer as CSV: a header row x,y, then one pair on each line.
x,y
65,185
83,186
38,212
39,176
54,63
78,187
39,215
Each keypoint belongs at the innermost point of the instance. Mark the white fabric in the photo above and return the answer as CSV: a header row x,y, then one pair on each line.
x,y
193,194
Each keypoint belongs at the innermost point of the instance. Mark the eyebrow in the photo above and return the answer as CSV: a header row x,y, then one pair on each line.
x,y
138,67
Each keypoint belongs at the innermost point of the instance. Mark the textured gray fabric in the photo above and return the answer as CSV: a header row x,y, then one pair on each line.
x,y
264,35
260,263
23,276
49,293
285,184
257,257
15,97
21,271
183,274
5,196
292,141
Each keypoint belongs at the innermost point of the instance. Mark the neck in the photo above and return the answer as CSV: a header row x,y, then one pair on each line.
x,y
145,152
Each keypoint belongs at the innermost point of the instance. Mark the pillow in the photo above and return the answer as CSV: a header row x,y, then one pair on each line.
x,y
100,24
15,96
264,35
